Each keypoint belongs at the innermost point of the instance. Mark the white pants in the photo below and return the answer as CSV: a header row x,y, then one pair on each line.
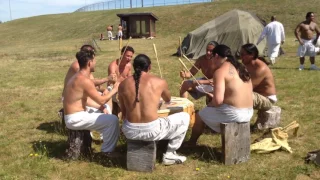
x,y
106,124
273,51
213,116
307,49
119,34
110,35
95,110
172,128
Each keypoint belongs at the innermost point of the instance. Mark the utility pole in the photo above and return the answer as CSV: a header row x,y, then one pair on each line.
x,y
10,10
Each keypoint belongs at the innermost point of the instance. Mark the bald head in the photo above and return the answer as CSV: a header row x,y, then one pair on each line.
x,y
273,18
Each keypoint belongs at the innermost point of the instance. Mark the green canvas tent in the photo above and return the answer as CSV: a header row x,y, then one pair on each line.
x,y
234,29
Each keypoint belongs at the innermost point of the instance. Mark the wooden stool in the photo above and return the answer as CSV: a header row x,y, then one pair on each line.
x,y
79,144
268,119
235,139
141,155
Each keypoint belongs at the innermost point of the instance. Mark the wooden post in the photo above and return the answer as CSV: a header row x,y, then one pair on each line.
x,y
141,155
235,139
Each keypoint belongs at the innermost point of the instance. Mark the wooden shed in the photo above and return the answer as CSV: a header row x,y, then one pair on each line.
x,y
138,25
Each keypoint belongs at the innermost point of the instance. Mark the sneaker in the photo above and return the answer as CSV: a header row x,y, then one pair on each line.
x,y
314,67
170,158
301,67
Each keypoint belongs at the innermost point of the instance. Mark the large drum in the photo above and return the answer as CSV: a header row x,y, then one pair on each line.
x,y
179,105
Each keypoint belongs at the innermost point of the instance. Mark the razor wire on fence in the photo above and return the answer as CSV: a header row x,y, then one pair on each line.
x,y
125,4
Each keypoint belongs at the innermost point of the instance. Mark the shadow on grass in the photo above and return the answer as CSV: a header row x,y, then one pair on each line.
x,y
53,127
287,68
200,152
57,149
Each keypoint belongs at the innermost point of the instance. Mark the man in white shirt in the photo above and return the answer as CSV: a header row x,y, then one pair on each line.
x,y
274,32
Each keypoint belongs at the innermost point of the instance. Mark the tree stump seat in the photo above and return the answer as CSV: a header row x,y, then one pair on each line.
x,y
141,155
268,119
235,139
79,144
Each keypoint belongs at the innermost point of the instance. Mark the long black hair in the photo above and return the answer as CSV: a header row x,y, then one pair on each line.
x,y
140,63
251,49
225,52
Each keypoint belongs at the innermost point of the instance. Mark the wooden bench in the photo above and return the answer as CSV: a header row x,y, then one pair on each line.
x,y
141,155
268,119
235,139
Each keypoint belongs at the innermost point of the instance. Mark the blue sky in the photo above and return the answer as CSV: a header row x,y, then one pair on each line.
x,y
28,8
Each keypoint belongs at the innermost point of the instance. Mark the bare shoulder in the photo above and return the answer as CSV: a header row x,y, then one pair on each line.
x,y
157,80
262,68
200,59
112,66
129,65
75,66
223,70
113,63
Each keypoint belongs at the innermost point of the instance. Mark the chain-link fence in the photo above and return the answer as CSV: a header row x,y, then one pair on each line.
x,y
124,4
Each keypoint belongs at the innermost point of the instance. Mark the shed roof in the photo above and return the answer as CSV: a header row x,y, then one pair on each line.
x,y
138,14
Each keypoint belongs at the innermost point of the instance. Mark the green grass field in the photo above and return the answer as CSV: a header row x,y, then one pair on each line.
x,y
37,52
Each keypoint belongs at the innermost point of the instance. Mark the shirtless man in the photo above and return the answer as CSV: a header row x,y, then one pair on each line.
x,y
264,90
122,71
74,68
307,41
204,64
139,97
77,90
120,34
232,97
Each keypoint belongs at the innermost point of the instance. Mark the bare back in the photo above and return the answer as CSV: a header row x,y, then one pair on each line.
x,y
237,93
262,78
151,89
75,99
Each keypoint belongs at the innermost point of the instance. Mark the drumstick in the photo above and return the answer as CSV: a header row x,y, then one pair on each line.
x,y
194,66
155,51
189,71
123,53
181,56
193,77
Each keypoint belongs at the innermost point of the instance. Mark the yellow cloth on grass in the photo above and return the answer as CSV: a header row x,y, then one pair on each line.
x,y
278,140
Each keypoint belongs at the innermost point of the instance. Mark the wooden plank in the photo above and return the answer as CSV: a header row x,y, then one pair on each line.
x,y
141,155
235,142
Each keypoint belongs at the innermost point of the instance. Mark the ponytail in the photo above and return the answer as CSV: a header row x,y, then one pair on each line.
x,y
140,63
136,77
